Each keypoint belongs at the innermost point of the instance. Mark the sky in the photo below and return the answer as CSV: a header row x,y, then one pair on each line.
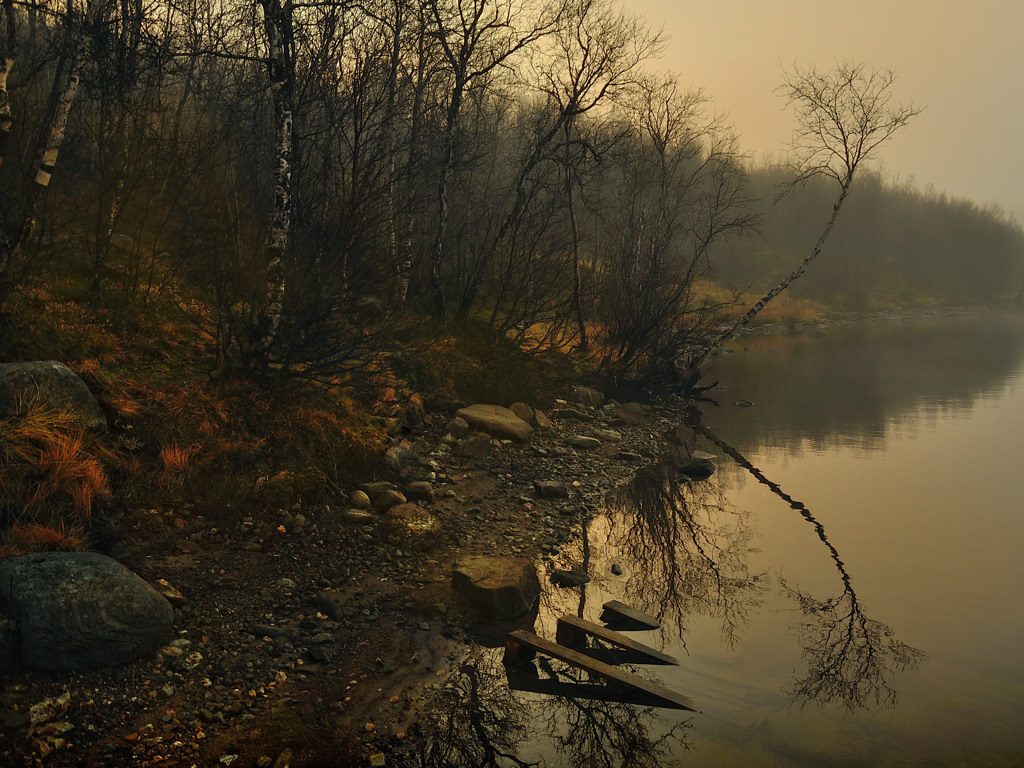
x,y
962,60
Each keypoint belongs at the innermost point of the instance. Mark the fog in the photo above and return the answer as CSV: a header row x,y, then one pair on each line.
x,y
962,61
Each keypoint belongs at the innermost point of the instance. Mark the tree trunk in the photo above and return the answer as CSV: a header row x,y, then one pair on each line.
x,y
277,20
754,310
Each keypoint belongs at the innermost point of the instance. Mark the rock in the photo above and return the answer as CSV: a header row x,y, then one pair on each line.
x,y
358,517
284,760
53,384
332,605
587,396
411,519
172,595
498,587
286,583
359,500
702,455
569,578
497,422
373,489
523,411
458,427
608,435
474,447
80,610
398,456
550,489
573,414
582,441
681,434
629,456
264,761
387,499
541,421
697,469
420,491
616,569
744,403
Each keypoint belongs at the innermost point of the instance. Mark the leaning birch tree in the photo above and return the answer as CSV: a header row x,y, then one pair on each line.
x,y
843,116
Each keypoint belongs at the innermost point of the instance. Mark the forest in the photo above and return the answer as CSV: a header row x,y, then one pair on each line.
x,y
297,181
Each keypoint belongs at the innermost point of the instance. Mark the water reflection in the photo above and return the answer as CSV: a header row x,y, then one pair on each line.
x,y
690,548
850,387
850,658
477,720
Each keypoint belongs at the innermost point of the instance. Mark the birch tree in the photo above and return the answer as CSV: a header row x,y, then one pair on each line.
x,y
843,116
79,23
278,26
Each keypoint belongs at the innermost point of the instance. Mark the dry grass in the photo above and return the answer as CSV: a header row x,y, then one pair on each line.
x,y
53,470
26,538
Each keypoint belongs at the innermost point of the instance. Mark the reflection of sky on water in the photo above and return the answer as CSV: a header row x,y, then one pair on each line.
x,y
856,385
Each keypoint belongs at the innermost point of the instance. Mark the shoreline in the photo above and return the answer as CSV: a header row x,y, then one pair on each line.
x,y
363,616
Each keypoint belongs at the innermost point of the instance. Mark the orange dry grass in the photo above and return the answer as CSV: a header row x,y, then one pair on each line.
x,y
26,538
176,459
52,469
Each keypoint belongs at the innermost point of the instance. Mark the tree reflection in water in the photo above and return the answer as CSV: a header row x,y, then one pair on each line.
x,y
477,721
608,734
690,550
851,658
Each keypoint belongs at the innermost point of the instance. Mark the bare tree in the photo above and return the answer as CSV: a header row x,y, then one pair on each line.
x,y
476,38
843,116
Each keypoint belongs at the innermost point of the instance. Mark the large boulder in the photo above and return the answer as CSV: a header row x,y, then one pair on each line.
x,y
496,421
53,384
79,610
498,587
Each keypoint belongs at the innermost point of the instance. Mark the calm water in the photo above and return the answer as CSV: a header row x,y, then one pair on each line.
x,y
846,590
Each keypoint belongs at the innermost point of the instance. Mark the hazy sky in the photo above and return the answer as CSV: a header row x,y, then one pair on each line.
x,y
963,60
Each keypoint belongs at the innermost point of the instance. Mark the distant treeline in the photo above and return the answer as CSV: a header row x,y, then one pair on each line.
x,y
894,244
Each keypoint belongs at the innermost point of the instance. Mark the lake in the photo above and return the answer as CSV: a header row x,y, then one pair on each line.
x,y
845,589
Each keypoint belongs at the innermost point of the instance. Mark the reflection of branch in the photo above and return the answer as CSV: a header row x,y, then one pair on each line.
x,y
609,734
740,459
850,658
475,721
689,564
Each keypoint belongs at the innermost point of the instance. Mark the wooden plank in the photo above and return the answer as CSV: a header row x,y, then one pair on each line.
x,y
527,680
615,612
573,630
521,639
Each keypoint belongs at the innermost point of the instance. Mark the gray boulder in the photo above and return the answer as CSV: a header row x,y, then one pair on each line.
x,y
497,422
55,385
498,587
80,610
